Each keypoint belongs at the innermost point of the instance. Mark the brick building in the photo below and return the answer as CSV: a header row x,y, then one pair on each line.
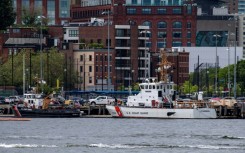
x,y
138,30
57,11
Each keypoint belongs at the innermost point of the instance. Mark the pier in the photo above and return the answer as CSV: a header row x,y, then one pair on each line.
x,y
100,111
94,110
238,111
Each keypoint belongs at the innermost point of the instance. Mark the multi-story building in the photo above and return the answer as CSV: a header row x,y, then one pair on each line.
x,y
133,32
56,11
140,29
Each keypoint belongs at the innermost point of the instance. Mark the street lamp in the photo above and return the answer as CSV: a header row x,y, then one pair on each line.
x,y
108,46
235,60
235,18
216,62
41,61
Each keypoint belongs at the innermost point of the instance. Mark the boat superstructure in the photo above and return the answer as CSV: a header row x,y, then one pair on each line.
x,y
33,100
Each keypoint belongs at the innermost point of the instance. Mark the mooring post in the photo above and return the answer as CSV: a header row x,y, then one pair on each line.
x,y
99,110
225,110
220,111
89,110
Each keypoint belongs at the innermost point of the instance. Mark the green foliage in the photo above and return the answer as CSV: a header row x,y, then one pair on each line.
x,y
95,45
7,14
223,74
52,66
30,19
121,88
135,87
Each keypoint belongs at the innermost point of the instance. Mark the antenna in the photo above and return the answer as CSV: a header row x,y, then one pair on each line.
x,y
164,65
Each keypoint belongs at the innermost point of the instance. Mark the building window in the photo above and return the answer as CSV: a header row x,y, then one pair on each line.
x,y
161,44
64,8
73,33
177,10
188,34
90,80
90,68
146,2
16,30
161,25
188,25
96,68
177,34
134,1
101,58
90,57
81,57
176,44
107,42
147,23
161,34
189,44
81,68
96,58
161,11
148,44
25,4
51,11
146,11
177,25
189,9
131,10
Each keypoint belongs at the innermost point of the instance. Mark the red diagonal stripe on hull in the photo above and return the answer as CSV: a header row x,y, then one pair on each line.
x,y
119,113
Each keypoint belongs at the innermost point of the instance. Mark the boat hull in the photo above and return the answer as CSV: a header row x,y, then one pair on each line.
x,y
52,113
141,112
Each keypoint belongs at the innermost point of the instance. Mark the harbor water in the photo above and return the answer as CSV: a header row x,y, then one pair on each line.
x,y
110,135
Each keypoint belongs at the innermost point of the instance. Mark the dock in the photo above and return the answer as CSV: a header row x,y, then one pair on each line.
x,y
100,111
226,112
94,110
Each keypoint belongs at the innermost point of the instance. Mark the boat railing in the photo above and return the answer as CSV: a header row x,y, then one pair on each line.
x,y
193,104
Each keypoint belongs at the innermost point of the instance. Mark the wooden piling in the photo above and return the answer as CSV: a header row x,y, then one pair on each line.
x,y
225,110
220,111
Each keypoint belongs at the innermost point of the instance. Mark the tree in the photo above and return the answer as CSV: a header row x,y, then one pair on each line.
x,y
53,69
7,14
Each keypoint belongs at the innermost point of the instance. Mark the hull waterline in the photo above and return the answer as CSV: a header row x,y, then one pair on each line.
x,y
136,112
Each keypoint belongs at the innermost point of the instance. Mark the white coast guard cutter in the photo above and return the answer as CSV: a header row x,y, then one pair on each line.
x,y
155,101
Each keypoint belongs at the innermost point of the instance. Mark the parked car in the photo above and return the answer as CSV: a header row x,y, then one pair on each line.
x,y
14,99
2,100
101,100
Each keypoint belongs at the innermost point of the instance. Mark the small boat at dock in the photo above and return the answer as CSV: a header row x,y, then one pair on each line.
x,y
50,106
